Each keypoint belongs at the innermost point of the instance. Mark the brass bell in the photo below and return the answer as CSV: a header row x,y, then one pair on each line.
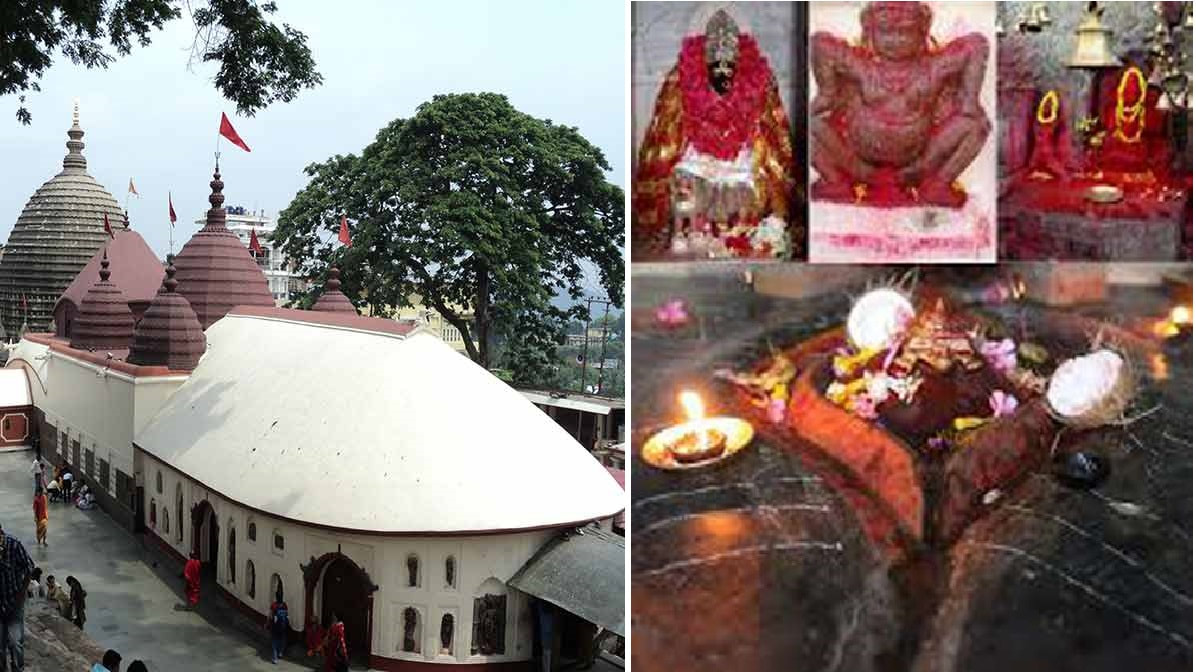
x,y
1093,48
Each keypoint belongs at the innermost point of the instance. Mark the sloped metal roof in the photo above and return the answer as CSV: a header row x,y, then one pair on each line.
x,y
582,572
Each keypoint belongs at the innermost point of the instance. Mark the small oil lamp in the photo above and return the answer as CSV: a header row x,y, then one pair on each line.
x,y
1178,323
699,440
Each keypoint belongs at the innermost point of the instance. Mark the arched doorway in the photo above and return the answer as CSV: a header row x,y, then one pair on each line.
x,y
205,536
346,589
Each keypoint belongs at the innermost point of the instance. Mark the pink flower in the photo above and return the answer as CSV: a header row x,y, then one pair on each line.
x,y
672,314
776,411
1001,355
1002,404
863,407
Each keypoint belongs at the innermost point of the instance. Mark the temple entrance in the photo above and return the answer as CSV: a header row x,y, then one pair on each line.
x,y
345,588
205,536
346,593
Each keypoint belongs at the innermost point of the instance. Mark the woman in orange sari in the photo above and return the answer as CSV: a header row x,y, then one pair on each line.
x,y
191,575
41,515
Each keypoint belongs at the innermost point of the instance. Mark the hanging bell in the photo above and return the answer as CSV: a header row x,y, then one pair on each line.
x,y
1093,39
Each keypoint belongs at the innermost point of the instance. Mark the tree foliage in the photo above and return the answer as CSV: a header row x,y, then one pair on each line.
x,y
260,63
483,212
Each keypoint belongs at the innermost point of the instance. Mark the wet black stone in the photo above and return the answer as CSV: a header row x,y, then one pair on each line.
x,y
1092,580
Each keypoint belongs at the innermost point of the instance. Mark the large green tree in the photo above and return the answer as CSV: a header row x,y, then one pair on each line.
x,y
482,211
260,62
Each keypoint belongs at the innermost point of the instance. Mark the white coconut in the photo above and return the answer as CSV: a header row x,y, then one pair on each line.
x,y
878,319
1086,385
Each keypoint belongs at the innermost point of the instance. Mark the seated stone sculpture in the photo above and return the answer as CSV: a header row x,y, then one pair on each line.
x,y
897,119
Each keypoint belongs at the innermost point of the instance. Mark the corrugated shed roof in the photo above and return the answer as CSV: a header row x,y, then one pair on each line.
x,y
581,572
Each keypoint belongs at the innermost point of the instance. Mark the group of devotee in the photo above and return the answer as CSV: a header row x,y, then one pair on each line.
x,y
111,663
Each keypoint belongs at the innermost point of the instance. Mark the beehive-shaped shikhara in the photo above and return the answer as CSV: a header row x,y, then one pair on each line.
x,y
104,321
333,300
215,270
169,334
60,229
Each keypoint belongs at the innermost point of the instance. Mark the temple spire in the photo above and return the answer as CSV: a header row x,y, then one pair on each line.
x,y
74,157
216,214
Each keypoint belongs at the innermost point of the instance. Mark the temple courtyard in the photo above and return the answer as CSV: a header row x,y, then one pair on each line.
x,y
134,592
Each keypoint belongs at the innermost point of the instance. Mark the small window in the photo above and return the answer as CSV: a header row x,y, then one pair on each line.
x,y
178,511
276,588
446,634
159,482
411,630
279,542
153,513
232,553
412,571
450,572
251,531
250,587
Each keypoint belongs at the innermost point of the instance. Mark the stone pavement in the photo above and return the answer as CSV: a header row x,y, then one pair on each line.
x,y
134,593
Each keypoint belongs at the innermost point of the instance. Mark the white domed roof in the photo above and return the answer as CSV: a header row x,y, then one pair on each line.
x,y
325,420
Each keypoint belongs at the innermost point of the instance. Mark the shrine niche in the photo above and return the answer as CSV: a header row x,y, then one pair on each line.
x,y
411,630
901,153
489,625
716,174
1096,153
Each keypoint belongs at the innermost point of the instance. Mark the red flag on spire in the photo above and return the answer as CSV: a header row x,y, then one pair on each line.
x,y
170,204
227,130
343,236
108,227
254,245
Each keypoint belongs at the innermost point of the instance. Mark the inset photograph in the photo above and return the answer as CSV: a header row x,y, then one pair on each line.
x,y
1096,132
718,98
929,468
902,158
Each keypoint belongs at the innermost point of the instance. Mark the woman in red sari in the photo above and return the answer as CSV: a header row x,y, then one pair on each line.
x,y
191,575
336,652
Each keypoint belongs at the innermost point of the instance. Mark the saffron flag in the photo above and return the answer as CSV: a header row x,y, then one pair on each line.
x,y
133,189
170,204
227,130
108,227
254,245
343,236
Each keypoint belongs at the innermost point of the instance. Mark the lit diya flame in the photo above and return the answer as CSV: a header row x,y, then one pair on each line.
x,y
1179,318
697,441
701,442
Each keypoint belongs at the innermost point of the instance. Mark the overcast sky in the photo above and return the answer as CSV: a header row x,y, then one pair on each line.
x,y
149,118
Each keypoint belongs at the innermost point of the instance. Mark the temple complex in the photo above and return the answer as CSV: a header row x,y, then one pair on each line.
x,y
60,229
331,465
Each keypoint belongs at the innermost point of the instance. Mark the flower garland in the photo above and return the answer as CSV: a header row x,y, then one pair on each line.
x,y
1134,114
1051,99
715,124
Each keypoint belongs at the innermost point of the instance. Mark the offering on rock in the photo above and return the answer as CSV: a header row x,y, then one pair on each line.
x,y
1091,390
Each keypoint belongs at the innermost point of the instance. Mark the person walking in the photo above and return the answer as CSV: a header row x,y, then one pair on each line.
x,y
39,470
191,572
41,515
78,601
280,626
15,569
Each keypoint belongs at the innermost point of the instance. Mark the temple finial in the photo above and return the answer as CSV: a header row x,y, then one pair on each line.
x,y
75,115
